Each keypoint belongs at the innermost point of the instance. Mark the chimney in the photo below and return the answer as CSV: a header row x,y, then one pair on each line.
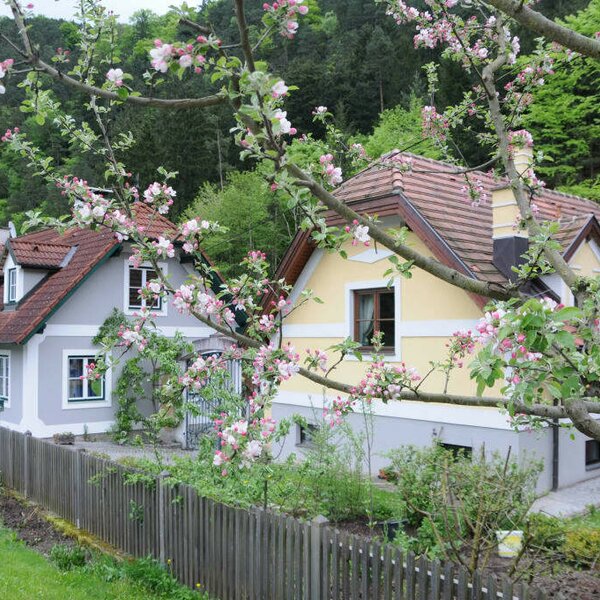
x,y
510,243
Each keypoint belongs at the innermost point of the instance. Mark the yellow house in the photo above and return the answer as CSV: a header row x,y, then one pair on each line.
x,y
418,315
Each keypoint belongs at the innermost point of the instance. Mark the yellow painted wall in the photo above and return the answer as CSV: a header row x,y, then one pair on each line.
x,y
423,298
585,262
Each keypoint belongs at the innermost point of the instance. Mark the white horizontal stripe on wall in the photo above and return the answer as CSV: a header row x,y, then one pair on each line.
x,y
92,330
473,416
435,328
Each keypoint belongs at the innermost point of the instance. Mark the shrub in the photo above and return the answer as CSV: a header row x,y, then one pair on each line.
x,y
154,578
546,533
582,546
456,502
67,557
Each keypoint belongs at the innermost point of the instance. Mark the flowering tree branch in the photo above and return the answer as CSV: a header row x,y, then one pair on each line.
x,y
31,56
519,11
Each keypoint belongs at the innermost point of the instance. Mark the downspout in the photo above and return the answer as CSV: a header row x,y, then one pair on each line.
x,y
555,452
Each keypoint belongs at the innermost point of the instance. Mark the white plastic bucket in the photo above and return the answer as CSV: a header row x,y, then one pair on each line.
x,y
509,543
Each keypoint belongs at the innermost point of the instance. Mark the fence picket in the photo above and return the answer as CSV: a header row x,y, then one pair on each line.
x,y
233,554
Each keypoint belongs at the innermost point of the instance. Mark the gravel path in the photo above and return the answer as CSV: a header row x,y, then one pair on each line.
x,y
570,501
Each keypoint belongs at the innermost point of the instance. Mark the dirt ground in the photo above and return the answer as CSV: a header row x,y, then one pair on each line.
x,y
29,524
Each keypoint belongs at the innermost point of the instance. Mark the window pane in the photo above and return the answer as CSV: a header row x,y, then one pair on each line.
x,y
386,305
75,367
366,307
135,300
388,329
150,274
135,278
94,388
592,452
365,333
75,388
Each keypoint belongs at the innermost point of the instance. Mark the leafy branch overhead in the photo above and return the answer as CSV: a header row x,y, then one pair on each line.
x,y
541,355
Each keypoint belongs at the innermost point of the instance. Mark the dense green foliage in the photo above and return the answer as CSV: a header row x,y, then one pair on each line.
x,y
350,57
565,116
25,574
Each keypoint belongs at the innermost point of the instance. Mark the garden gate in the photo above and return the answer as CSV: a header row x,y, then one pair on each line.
x,y
199,421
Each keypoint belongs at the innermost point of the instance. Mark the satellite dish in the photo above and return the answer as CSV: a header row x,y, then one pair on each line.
x,y
12,229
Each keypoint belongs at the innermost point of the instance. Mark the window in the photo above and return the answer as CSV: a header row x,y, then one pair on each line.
x,y
4,378
80,389
374,311
306,434
457,450
592,453
12,285
138,278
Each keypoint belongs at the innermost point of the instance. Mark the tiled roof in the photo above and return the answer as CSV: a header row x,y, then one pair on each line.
x,y
91,248
430,192
31,253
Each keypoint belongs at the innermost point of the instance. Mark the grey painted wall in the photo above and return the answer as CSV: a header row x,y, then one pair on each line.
x,y
31,278
15,412
50,384
392,432
104,290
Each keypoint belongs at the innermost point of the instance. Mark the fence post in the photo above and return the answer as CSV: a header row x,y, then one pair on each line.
x,y
161,516
316,534
26,463
78,486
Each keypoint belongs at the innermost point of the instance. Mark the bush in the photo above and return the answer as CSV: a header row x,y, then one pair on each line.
x,y
582,546
154,578
455,501
546,533
67,557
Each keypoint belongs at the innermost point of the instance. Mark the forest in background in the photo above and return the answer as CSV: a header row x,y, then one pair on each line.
x,y
351,58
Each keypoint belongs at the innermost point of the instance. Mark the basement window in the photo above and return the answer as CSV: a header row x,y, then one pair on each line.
x,y
306,434
592,454
457,450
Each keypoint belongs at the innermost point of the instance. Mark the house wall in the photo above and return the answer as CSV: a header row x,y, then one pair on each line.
x,y
13,410
72,327
428,311
31,278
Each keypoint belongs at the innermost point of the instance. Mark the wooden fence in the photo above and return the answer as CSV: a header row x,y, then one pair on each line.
x,y
232,553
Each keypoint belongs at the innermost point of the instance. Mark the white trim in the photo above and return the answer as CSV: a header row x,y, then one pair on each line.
x,y
349,313
164,267
508,235
307,271
8,354
8,265
84,404
92,330
41,430
503,204
372,255
30,386
472,416
433,328
595,249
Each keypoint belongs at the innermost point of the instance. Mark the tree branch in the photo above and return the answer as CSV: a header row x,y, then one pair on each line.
x,y
549,29
436,268
33,59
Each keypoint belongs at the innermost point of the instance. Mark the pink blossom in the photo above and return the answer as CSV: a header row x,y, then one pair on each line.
x,y
115,76
279,89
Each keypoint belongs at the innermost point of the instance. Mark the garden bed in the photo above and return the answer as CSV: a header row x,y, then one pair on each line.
x,y
30,524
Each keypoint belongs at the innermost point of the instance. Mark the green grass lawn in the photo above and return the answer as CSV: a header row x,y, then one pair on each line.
x,y
26,575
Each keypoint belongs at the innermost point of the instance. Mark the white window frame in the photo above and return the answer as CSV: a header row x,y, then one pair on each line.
x,y
12,285
163,266
68,404
7,355
349,315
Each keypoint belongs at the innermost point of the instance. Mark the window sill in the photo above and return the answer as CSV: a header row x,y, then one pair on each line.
x,y
82,404
136,311
592,467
